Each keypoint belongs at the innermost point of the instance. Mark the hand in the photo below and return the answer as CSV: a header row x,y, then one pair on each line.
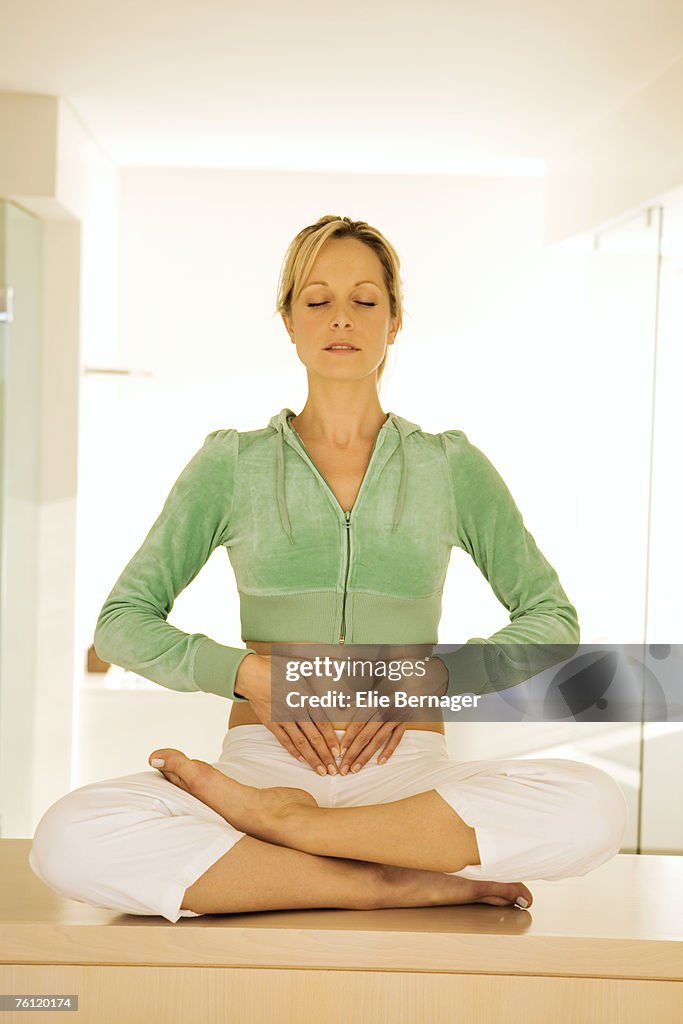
x,y
309,741
362,739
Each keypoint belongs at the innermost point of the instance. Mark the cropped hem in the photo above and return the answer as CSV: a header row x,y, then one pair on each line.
x,y
194,870
488,850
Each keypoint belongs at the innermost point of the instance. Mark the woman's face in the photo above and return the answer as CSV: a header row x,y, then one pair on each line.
x,y
351,307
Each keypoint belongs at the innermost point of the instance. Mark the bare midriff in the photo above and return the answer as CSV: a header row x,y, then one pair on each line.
x,y
242,712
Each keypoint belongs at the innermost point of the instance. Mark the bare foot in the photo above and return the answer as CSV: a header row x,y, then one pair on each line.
x,y
436,888
259,812
263,813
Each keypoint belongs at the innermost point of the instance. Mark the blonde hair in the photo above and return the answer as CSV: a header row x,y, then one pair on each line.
x,y
305,247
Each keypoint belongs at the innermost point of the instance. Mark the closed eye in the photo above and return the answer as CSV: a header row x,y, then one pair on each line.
x,y
315,304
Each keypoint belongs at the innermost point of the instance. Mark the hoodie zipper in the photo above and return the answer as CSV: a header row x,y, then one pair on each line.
x,y
347,515
342,635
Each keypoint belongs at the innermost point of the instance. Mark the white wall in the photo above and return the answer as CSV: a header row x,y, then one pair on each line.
x,y
623,161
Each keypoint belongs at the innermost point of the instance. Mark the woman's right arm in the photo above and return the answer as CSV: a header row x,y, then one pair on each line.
x,y
131,629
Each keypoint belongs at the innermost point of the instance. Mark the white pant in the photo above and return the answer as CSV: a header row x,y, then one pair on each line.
x,y
136,843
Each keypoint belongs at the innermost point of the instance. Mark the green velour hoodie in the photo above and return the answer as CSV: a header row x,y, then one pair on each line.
x,y
307,571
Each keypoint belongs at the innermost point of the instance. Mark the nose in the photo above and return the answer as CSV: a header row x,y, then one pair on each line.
x,y
340,317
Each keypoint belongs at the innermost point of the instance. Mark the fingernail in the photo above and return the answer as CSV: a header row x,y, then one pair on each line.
x,y
331,769
158,762
321,770
521,902
335,752
356,768
302,758
381,760
343,750
345,769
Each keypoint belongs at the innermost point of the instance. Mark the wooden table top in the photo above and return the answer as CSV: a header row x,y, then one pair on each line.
x,y
625,919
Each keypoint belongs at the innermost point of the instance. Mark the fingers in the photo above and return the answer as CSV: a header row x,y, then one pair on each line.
x,y
352,731
393,741
361,741
283,737
304,742
327,730
320,745
368,740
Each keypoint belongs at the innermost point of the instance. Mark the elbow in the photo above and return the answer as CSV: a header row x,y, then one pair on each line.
x,y
572,628
103,639
100,643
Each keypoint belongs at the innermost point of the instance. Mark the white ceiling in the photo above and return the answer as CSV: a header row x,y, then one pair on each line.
x,y
438,86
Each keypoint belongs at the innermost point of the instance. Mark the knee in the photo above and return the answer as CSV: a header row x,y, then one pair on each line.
x,y
610,809
56,854
601,817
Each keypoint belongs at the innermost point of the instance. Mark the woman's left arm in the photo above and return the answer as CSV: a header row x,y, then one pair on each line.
x,y
544,626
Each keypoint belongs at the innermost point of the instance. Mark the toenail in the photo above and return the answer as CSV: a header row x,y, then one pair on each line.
x,y
158,762
521,902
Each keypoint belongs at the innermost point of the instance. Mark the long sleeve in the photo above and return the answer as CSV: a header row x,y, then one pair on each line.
x,y
131,629
544,627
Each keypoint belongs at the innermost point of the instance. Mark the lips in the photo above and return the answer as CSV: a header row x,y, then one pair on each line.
x,y
340,346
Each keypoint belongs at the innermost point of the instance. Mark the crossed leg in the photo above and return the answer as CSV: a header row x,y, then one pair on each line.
x,y
349,857
255,875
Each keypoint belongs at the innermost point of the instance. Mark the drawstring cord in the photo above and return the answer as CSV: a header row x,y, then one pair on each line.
x,y
281,498
402,486
282,504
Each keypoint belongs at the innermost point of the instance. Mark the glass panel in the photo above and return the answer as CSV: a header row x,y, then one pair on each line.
x,y
21,384
613,425
618,432
662,806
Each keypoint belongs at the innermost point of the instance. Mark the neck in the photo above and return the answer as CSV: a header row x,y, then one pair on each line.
x,y
340,421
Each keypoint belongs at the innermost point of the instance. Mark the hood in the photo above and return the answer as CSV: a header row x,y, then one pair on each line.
x,y
280,423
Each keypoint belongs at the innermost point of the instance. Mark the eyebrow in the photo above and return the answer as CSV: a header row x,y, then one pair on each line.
x,y
327,286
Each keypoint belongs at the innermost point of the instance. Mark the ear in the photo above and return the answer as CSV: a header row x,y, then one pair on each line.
x,y
288,326
393,330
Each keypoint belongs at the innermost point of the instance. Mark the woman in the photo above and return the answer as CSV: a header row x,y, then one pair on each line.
x,y
339,523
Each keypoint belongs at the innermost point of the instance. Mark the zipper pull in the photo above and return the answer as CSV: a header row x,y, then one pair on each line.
x,y
348,516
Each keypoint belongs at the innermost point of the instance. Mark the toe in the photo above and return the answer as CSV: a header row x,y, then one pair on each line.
x,y
195,776
504,894
167,758
523,897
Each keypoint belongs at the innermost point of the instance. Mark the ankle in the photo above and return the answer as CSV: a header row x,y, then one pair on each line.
x,y
291,825
374,890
